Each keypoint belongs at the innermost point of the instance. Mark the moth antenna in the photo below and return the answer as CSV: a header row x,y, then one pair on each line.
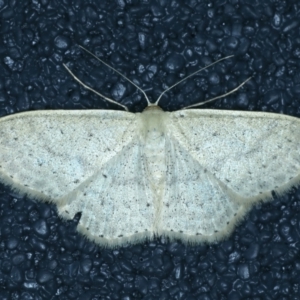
x,y
148,102
218,97
97,93
185,78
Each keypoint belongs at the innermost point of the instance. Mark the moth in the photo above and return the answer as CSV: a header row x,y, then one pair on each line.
x,y
190,174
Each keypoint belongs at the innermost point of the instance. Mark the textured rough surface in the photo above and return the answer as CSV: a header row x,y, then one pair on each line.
x,y
189,174
155,43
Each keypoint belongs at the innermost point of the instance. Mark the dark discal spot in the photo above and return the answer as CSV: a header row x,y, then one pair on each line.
x,y
87,228
15,138
234,214
260,192
227,180
40,164
148,204
76,181
198,233
215,134
167,204
227,222
171,229
205,170
84,194
61,132
136,231
105,176
120,236
274,157
181,231
101,235
66,212
216,231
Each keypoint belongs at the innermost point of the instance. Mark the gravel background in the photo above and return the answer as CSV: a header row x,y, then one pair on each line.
x,y
156,43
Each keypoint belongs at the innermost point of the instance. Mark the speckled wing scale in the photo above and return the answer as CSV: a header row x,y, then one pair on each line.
x,y
196,205
252,153
190,174
222,162
116,202
87,161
